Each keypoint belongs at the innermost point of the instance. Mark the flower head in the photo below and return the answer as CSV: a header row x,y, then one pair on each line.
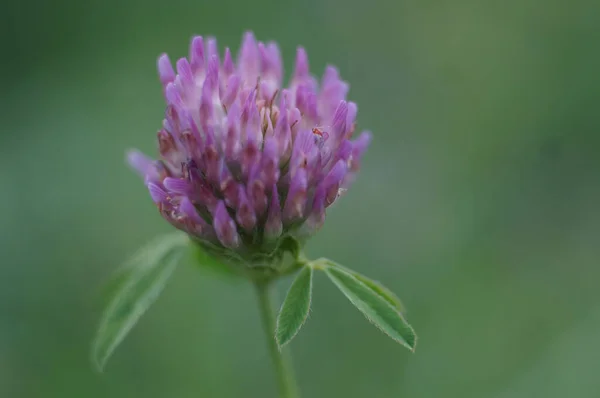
x,y
243,161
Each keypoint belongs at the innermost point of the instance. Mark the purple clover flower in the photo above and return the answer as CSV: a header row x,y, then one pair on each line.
x,y
244,162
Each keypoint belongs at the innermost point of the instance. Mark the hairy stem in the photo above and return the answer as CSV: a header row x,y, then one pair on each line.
x,y
281,359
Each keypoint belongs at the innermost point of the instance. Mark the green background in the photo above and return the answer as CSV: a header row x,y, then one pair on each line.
x,y
478,202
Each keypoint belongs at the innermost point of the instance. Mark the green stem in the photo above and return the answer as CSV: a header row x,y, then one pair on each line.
x,y
281,359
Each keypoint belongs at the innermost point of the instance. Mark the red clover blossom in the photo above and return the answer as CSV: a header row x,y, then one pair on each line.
x,y
243,161
247,170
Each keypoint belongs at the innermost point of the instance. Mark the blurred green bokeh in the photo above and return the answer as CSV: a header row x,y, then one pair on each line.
x,y
478,203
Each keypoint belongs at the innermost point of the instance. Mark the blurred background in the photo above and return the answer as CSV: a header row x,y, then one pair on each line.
x,y
478,202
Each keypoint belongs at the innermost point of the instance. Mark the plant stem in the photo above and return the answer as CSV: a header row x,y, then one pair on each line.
x,y
281,359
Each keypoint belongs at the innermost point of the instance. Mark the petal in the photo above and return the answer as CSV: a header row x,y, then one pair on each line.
x,y
230,93
270,162
359,146
213,50
250,157
228,66
249,59
245,215
339,121
165,70
345,150
296,200
273,225
275,60
333,90
257,195
331,183
184,70
193,222
157,194
301,70
173,96
283,132
141,163
231,142
197,61
316,218
188,210
177,185
225,227
351,119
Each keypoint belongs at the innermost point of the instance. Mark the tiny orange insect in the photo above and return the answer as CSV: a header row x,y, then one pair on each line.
x,y
320,132
320,135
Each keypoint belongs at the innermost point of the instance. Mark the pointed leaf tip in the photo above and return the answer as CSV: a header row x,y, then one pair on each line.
x,y
295,308
141,280
378,288
377,309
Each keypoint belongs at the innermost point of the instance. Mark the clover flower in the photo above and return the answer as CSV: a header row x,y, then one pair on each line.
x,y
248,169
243,161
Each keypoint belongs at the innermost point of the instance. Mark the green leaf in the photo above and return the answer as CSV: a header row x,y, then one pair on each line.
x,y
377,287
377,309
138,284
295,308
